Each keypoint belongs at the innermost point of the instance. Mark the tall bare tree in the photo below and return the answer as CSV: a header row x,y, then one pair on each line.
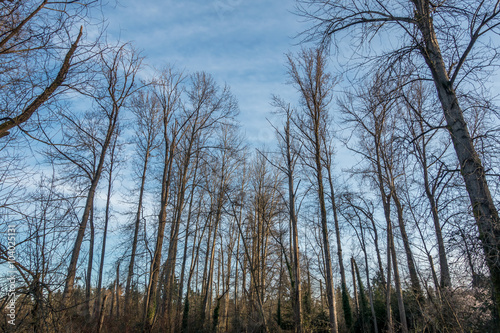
x,y
147,114
168,91
431,162
453,52
309,75
207,105
373,120
290,155
119,71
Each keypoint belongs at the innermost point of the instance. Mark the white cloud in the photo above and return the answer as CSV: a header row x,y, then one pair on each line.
x,y
240,42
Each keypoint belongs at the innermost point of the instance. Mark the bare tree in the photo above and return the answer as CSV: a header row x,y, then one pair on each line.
x,y
314,83
119,71
373,120
249,254
30,32
328,163
147,114
290,155
207,106
435,176
168,91
112,166
221,174
356,208
453,52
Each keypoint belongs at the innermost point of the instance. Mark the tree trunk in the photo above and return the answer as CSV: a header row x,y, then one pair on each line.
x,y
194,260
106,222
151,293
367,272
354,288
118,290
253,276
88,285
297,294
443,261
184,256
397,281
70,279
388,310
101,314
330,291
174,234
430,193
415,282
345,294
137,224
471,168
117,95
207,297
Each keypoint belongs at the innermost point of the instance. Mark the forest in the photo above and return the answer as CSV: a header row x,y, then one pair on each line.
x,y
131,200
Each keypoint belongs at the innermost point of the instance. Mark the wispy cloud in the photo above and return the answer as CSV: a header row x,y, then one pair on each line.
x,y
241,43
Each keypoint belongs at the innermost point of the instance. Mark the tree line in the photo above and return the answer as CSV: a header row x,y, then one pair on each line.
x,y
138,205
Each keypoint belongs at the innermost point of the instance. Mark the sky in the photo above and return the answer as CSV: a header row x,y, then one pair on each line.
x,y
241,43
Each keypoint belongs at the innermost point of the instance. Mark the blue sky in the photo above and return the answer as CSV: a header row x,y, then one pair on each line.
x,y
242,43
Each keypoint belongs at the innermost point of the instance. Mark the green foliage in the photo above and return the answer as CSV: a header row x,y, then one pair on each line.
x,y
284,315
215,316
321,322
346,306
185,316
364,320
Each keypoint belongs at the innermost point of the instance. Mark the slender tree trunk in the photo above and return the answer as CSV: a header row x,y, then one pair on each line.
x,y
392,254
415,282
345,294
253,276
388,289
368,283
101,314
315,84
184,256
434,275
167,90
193,265
354,287
363,306
237,260
297,296
137,224
117,94
118,290
443,261
330,291
88,285
174,234
377,250
151,294
106,222
210,274
70,279
397,281
391,249
113,296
